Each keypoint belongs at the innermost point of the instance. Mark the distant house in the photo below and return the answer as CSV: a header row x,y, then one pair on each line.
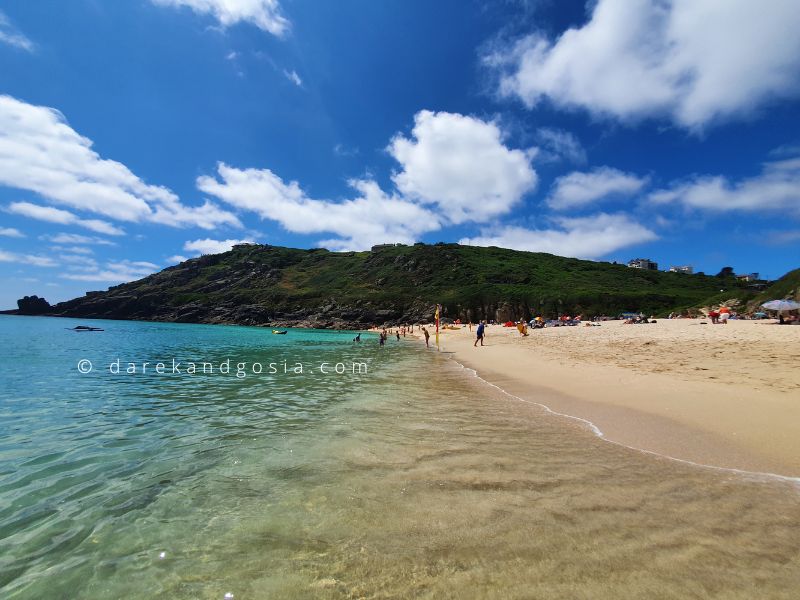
x,y
643,263
748,277
688,269
377,247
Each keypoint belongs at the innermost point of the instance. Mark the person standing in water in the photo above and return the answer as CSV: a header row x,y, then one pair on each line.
x,y
427,337
479,334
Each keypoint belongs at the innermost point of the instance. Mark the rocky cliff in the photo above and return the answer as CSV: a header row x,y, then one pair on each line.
x,y
274,286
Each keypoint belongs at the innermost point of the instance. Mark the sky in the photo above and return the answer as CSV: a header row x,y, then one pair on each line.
x,y
138,133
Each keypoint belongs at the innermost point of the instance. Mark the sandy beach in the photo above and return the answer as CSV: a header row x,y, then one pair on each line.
x,y
726,396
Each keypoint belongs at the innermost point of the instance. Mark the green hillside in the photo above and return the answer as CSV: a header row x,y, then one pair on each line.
x,y
254,284
787,286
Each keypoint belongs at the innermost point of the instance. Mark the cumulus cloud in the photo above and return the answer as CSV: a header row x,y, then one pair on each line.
x,y
372,217
776,188
556,145
113,271
63,217
584,237
73,249
12,36
293,77
41,153
579,189
694,60
11,232
75,238
209,246
264,14
461,165
176,258
27,259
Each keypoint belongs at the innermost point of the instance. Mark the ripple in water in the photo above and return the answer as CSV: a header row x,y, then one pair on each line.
x,y
413,481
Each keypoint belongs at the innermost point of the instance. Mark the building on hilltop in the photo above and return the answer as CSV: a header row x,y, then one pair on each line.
x,y
377,247
748,277
688,269
643,263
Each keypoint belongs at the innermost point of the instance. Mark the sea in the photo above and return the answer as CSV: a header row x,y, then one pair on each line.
x,y
308,465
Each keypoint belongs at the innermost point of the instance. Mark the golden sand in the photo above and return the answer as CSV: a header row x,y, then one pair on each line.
x,y
725,395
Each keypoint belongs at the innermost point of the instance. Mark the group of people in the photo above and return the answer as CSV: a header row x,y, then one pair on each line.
x,y
401,331
720,316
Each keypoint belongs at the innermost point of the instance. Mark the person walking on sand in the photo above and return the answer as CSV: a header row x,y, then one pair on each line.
x,y
479,334
427,337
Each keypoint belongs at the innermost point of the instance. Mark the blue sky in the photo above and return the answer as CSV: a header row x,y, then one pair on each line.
x,y
137,132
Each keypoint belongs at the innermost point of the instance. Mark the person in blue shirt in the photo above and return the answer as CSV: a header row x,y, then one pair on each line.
x,y
480,333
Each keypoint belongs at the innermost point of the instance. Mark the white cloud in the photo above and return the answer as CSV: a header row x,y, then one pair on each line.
x,y
372,217
11,232
114,271
177,258
12,36
556,145
40,152
579,189
27,259
209,246
264,14
776,188
584,237
342,150
74,238
293,77
694,60
74,249
460,164
79,261
64,217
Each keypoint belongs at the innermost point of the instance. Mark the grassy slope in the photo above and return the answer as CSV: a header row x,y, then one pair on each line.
x,y
459,277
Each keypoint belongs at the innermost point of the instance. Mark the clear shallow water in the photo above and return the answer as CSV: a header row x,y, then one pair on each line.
x,y
414,480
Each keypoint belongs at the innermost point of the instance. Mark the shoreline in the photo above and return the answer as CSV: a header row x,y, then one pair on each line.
x,y
740,425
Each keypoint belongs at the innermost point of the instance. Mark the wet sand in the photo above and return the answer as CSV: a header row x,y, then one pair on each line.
x,y
719,395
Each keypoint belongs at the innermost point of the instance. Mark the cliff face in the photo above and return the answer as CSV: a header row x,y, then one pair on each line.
x,y
274,286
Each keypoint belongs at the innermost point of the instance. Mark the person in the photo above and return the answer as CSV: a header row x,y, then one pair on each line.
x,y
427,336
714,316
398,335
357,338
479,334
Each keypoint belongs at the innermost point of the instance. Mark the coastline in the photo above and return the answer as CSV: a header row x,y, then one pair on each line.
x,y
705,415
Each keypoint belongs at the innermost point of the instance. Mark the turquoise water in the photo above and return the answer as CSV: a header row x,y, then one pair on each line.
x,y
83,455
412,480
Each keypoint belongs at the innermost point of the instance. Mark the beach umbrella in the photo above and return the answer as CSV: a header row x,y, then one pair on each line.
x,y
781,305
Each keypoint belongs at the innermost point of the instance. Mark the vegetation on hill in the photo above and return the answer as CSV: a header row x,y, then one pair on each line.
x,y
254,284
787,286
